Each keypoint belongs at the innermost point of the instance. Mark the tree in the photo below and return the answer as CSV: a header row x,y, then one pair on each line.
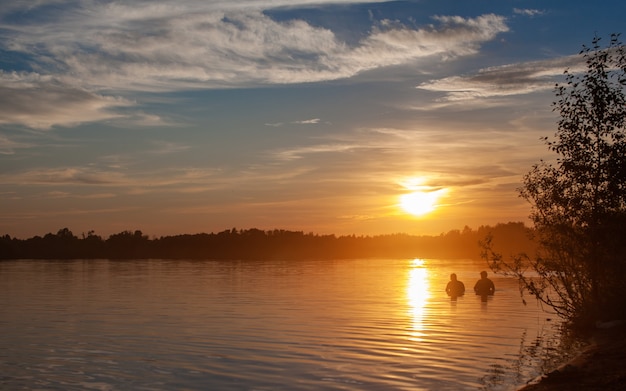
x,y
578,202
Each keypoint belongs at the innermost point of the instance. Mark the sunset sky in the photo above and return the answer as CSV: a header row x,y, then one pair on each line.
x,y
189,116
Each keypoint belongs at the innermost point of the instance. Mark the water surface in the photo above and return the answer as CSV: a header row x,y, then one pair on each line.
x,y
264,325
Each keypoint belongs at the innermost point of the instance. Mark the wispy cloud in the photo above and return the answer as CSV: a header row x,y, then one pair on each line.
x,y
41,102
9,147
506,80
64,194
167,148
156,46
299,152
374,156
311,121
528,12
83,53
92,180
65,175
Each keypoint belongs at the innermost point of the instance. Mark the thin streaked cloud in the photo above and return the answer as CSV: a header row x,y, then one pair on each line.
x,y
98,53
311,121
528,12
41,102
218,50
506,80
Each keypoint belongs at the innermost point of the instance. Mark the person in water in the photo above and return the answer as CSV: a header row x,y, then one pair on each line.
x,y
484,287
455,288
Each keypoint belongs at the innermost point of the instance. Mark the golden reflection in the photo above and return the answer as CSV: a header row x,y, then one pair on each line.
x,y
417,295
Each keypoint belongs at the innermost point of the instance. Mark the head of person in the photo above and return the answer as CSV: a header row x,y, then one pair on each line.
x,y
453,277
483,274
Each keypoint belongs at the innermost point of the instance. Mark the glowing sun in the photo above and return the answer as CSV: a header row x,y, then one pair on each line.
x,y
419,203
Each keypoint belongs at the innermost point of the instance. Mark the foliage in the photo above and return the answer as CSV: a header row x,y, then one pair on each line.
x,y
578,203
257,244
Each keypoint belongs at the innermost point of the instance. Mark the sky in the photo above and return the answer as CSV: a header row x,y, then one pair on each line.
x,y
191,116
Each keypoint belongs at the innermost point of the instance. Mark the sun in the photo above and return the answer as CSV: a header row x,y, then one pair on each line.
x,y
419,203
420,197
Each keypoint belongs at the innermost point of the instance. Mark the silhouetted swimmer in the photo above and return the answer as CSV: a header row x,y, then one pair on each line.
x,y
484,287
455,288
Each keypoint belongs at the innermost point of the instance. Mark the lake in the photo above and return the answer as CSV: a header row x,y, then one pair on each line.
x,y
362,324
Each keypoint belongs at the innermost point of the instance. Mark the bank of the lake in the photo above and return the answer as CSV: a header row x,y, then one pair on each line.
x,y
601,366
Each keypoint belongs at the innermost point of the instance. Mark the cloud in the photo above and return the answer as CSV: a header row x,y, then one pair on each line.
x,y
380,157
380,154
41,102
311,121
527,12
395,44
162,46
64,194
167,148
69,175
505,80
8,146
94,179
84,56
299,152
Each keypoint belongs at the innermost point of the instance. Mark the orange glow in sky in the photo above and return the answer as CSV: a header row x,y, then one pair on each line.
x,y
267,114
421,200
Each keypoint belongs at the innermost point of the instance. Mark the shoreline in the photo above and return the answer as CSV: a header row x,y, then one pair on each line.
x,y
601,365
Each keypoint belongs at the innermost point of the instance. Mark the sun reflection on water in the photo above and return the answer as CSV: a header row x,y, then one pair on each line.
x,y
417,296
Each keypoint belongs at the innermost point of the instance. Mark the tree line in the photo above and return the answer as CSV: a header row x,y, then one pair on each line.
x,y
259,244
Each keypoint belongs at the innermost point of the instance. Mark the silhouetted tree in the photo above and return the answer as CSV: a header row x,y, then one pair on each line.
x,y
128,244
258,244
578,203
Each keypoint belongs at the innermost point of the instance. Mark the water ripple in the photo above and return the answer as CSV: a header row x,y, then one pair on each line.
x,y
326,325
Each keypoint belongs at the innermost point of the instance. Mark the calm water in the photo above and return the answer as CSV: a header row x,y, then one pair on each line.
x,y
271,325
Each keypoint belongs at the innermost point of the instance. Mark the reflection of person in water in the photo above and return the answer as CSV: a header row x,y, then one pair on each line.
x,y
455,288
484,287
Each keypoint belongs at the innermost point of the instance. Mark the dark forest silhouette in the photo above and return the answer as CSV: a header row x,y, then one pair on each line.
x,y
258,244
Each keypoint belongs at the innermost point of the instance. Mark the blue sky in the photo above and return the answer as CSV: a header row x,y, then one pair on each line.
x,y
186,116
